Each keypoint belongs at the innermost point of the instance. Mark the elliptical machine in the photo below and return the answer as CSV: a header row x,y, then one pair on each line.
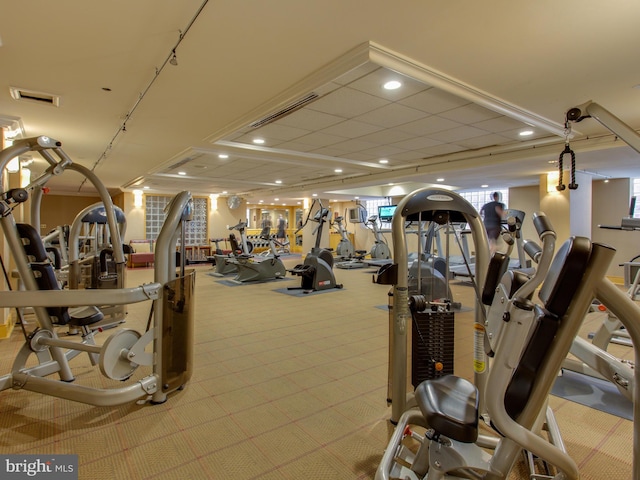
x,y
379,249
317,270
344,250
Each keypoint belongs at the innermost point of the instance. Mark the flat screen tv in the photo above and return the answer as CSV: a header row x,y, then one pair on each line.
x,y
385,213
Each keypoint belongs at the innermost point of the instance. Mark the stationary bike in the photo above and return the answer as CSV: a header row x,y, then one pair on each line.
x,y
260,268
225,264
316,273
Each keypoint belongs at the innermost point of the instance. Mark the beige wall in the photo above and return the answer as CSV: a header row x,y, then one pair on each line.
x,y
56,210
610,205
526,199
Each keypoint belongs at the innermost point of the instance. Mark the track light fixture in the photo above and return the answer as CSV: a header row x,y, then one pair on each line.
x,y
174,59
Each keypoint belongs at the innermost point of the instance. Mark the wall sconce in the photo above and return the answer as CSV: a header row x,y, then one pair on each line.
x,y
137,198
214,201
14,165
25,177
552,181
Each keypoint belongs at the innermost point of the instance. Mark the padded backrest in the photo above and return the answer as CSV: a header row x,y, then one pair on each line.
x,y
32,243
565,275
46,279
562,282
235,247
497,267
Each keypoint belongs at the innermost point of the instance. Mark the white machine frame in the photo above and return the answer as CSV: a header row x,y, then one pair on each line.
x,y
123,351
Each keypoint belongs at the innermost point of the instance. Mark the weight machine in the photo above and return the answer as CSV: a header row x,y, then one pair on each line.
x,y
170,335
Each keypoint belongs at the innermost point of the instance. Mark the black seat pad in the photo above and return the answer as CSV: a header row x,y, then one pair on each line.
x,y
450,406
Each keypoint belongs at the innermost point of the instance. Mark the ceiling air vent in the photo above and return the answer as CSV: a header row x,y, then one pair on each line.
x,y
179,163
285,111
37,97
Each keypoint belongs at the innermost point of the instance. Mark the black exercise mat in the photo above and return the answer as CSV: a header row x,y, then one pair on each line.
x,y
300,292
231,283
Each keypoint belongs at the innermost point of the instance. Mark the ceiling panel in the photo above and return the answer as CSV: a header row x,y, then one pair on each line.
x,y
352,125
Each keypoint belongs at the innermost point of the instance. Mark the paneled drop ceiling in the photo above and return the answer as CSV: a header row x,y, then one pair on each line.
x,y
472,79
352,137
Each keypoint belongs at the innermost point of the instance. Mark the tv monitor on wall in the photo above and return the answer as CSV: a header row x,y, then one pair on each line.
x,y
357,215
385,212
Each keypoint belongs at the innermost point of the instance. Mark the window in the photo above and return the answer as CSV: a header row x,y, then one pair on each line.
x,y
480,197
372,205
195,230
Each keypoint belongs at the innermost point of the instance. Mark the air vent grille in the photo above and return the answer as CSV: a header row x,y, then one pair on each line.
x,y
33,96
179,163
285,111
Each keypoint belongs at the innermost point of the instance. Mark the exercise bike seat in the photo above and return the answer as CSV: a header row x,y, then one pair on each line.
x,y
450,406
84,316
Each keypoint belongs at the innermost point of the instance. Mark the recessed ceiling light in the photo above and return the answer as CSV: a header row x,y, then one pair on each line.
x,y
145,188
258,141
276,199
439,179
261,201
182,173
278,181
298,203
357,198
525,133
223,156
314,194
225,192
390,184
392,85
284,204
484,186
338,170
606,180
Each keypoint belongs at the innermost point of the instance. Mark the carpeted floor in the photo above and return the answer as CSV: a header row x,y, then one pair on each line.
x,y
282,389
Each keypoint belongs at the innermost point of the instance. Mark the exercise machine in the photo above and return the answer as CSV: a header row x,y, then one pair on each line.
x,y
225,264
43,354
259,268
529,344
467,267
349,257
316,273
380,249
94,266
591,357
344,249
437,206
451,447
